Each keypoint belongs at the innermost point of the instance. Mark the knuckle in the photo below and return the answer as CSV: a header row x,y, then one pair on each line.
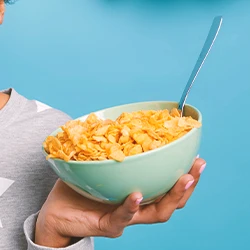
x,y
177,193
177,196
162,218
116,234
81,217
181,205
110,230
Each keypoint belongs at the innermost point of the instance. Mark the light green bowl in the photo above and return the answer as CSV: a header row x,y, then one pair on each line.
x,y
152,173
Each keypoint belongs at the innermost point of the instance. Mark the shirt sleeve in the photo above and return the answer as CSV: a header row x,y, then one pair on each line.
x,y
29,229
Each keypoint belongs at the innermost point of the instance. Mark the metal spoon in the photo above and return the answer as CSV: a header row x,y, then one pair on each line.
x,y
214,30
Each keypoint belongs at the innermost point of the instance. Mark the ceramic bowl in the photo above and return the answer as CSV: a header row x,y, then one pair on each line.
x,y
152,173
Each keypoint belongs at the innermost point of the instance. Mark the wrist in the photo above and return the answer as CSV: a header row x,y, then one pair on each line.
x,y
47,234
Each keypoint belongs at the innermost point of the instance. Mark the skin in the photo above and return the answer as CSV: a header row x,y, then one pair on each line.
x,y
2,10
3,99
66,215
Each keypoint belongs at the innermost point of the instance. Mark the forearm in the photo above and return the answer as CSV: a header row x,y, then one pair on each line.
x,y
29,230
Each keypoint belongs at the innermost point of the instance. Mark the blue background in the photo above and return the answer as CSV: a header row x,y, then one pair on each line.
x,y
80,56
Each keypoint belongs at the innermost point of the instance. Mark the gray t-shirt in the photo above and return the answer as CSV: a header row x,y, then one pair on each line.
x,y
25,177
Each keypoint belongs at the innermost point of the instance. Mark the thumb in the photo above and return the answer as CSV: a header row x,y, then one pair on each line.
x,y
124,213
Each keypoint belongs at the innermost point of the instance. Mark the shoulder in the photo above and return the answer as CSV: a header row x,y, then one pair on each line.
x,y
44,116
43,109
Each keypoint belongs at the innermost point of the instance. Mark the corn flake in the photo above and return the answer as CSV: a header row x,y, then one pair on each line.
x,y
130,134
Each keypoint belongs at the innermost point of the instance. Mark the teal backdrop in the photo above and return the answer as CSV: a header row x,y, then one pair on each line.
x,y
81,56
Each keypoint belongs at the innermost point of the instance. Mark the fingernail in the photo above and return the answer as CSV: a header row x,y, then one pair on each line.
x,y
198,156
202,168
138,201
189,184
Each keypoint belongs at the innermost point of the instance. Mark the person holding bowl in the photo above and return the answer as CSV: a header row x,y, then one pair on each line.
x,y
39,211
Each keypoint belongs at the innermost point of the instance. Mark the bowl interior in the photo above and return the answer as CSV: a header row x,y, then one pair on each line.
x,y
114,112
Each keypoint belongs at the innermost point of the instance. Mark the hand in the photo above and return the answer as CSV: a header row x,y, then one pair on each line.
x,y
67,215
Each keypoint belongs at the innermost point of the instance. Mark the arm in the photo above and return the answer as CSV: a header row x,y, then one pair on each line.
x,y
29,225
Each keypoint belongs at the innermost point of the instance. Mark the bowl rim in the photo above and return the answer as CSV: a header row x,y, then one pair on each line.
x,y
132,157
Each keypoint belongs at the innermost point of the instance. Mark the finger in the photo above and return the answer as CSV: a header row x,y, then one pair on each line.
x,y
159,198
198,167
170,202
162,211
126,211
121,217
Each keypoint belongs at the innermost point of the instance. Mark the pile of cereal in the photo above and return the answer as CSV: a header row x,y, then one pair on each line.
x,y
131,133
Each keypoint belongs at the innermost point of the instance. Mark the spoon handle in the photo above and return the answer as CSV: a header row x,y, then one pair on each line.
x,y
214,30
